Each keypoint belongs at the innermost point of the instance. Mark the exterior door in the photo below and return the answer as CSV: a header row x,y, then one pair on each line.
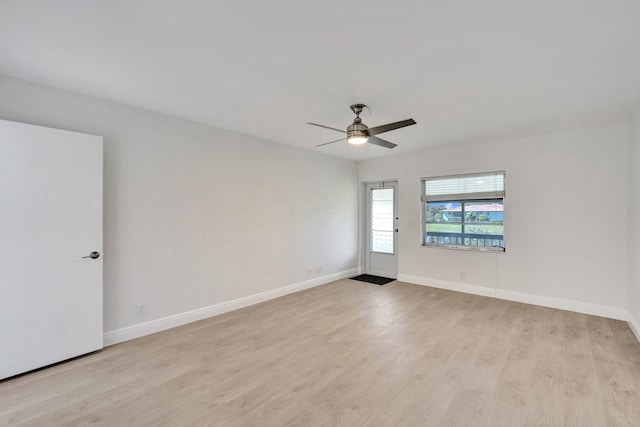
x,y
50,224
381,242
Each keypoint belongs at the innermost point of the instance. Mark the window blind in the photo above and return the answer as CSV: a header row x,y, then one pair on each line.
x,y
473,186
382,220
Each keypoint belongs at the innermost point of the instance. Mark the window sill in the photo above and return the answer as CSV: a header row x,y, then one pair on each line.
x,y
468,248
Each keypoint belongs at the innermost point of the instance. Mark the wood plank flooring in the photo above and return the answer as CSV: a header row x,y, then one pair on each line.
x,y
350,354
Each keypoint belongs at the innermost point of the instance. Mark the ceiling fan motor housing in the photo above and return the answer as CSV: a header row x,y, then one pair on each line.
x,y
357,128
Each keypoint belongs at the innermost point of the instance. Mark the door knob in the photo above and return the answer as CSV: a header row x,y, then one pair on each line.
x,y
93,255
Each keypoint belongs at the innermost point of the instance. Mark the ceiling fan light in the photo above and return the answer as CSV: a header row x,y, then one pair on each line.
x,y
357,139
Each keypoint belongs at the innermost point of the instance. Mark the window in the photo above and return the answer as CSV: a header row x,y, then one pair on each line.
x,y
382,220
464,211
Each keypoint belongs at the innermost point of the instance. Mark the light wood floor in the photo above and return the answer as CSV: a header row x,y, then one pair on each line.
x,y
351,354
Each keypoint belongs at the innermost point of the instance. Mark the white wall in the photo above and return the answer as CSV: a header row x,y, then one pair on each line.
x,y
197,216
565,219
634,225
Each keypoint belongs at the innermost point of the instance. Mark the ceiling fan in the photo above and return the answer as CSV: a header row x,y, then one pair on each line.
x,y
359,133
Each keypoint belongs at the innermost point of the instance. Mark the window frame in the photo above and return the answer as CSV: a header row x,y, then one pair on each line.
x,y
463,198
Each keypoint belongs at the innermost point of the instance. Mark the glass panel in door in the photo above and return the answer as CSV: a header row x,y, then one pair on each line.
x,y
382,220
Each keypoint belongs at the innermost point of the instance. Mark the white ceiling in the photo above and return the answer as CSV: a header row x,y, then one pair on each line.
x,y
465,70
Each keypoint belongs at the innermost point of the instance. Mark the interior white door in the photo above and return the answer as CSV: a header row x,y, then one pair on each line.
x,y
50,223
381,254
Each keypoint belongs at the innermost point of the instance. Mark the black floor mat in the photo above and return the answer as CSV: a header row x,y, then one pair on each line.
x,y
377,280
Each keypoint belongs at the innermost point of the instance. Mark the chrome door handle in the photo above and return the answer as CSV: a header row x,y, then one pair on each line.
x,y
92,255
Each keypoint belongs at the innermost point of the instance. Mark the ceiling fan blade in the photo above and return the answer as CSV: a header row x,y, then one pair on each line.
x,y
390,126
381,142
330,142
326,127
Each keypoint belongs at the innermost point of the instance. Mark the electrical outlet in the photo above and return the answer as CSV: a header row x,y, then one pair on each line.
x,y
141,309
463,275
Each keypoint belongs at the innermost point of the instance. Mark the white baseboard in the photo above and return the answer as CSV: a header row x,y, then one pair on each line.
x,y
564,304
451,286
157,325
634,325
551,302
